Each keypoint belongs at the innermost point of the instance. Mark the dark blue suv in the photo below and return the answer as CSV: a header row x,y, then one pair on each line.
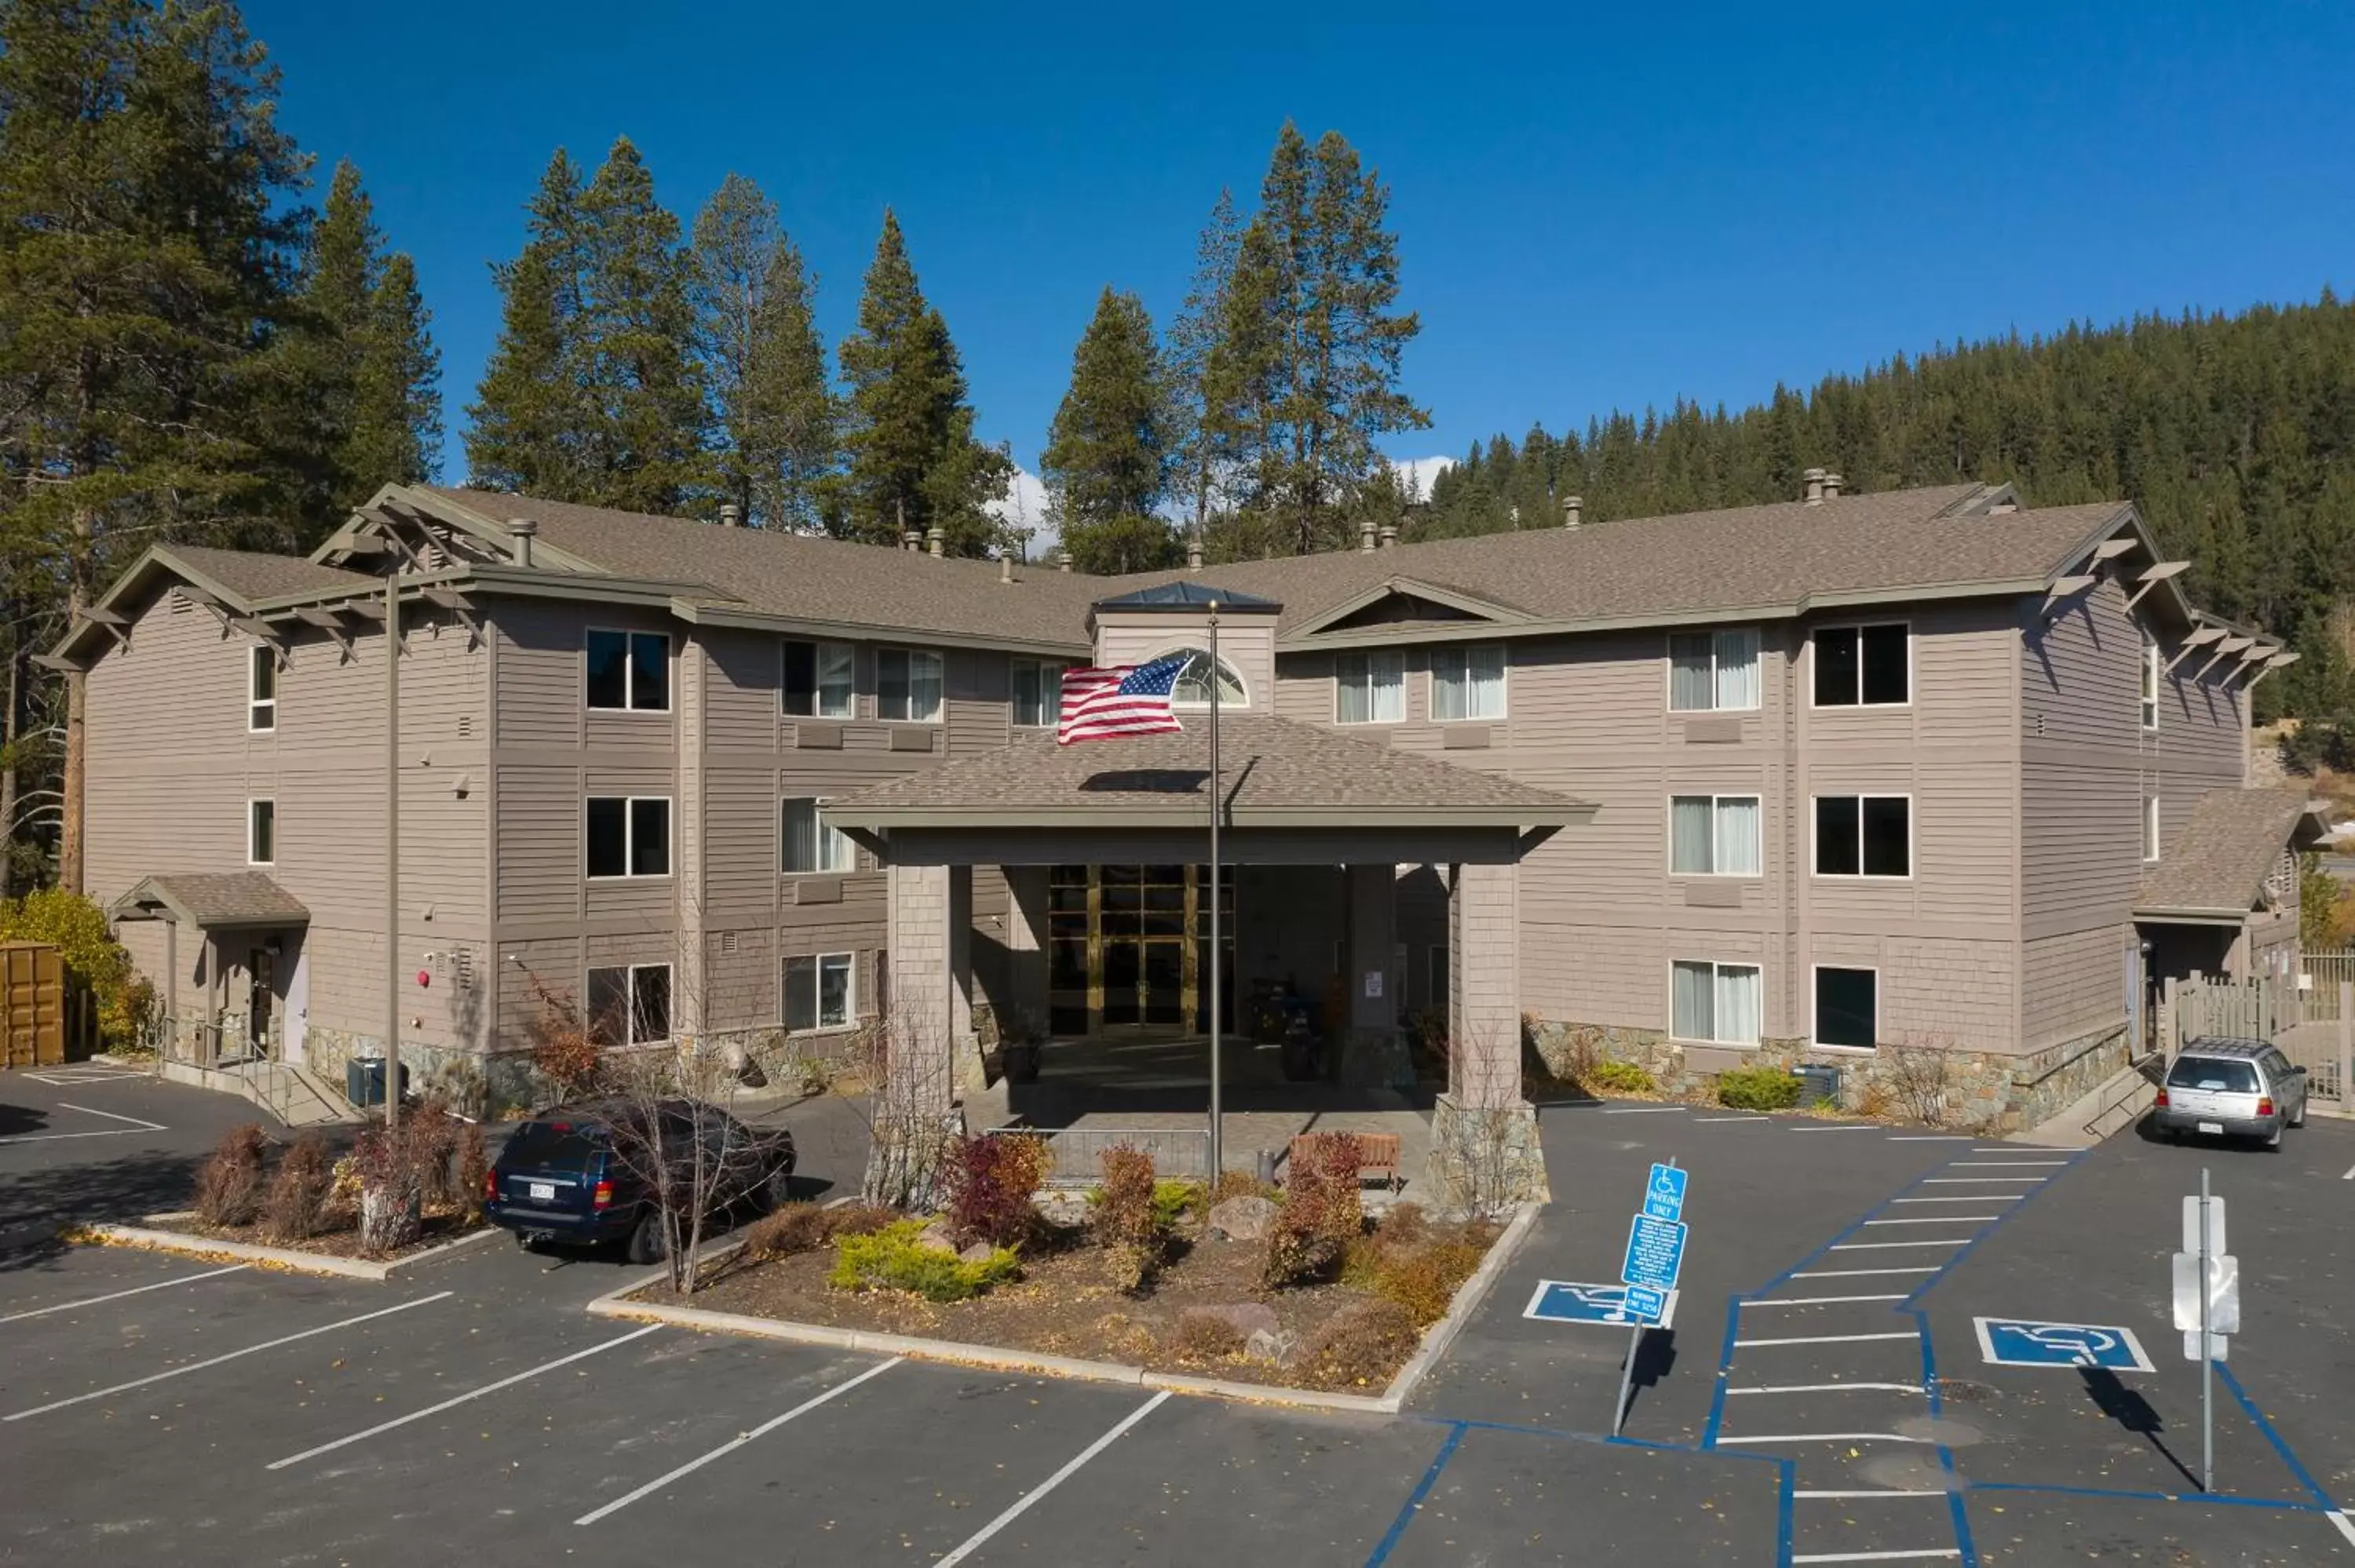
x,y
586,1174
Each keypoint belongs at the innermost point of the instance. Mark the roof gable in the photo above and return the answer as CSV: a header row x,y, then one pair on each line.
x,y
1405,601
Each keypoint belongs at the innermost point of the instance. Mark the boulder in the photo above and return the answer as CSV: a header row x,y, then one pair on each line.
x,y
1278,1345
1246,1218
977,1253
936,1237
1246,1317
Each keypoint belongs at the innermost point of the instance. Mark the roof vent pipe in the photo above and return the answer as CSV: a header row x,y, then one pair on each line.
x,y
522,530
1389,537
1006,568
1832,484
934,538
1194,552
731,514
1814,478
1366,535
912,539
1063,560
1573,511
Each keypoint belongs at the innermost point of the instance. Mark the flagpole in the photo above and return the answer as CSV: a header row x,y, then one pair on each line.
x,y
1216,994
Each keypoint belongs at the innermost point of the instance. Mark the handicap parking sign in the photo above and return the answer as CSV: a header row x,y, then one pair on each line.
x,y
1614,1306
1656,1252
1664,1193
2017,1342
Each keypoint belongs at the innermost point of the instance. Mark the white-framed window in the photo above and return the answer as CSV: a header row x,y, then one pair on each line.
x,y
1193,687
1863,666
1713,671
261,832
1714,1001
262,691
2150,829
629,1004
908,685
817,680
818,991
627,671
2149,682
1847,1007
1037,690
1467,682
1713,835
1864,835
1370,687
812,844
627,836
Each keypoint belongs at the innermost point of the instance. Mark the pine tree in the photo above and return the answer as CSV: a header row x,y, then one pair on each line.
x,y
775,414
1306,374
914,463
374,369
150,225
531,415
637,344
1193,338
1107,456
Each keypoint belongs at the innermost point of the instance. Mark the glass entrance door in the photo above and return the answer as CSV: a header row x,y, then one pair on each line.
x,y
1127,947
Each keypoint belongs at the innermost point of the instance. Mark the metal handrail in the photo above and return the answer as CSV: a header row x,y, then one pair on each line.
x,y
2147,1079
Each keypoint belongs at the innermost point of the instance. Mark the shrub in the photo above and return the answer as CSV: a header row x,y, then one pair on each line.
x,y
431,1133
1127,1218
1424,1278
1405,1226
228,1183
297,1195
77,927
1237,1184
1621,1078
1361,1346
340,1209
1173,1200
1758,1089
990,1181
893,1259
473,1171
1322,1215
798,1227
1205,1337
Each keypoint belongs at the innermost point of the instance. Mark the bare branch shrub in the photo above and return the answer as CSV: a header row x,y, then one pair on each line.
x,y
901,1095
228,1183
1919,1076
297,1198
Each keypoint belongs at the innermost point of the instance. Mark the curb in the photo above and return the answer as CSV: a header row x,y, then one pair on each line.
x,y
290,1258
1468,1297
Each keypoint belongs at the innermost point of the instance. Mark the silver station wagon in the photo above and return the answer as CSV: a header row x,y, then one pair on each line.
x,y
2231,1088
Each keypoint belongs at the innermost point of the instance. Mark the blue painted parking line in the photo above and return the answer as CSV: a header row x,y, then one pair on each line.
x,y
2019,1342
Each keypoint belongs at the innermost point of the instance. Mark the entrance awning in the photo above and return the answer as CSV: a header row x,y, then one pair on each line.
x,y
1275,773
2214,873
212,901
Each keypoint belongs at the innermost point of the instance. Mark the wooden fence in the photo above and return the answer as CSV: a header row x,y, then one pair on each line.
x,y
46,1015
2313,1025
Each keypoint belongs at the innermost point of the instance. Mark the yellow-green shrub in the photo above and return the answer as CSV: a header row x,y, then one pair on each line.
x,y
892,1259
1758,1089
1621,1078
77,927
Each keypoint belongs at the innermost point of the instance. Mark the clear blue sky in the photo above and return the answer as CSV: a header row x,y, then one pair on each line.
x,y
1595,207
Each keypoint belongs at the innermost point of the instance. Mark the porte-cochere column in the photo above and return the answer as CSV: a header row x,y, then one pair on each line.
x,y
1484,1136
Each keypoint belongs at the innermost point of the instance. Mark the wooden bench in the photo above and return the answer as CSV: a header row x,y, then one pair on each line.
x,y
1377,1156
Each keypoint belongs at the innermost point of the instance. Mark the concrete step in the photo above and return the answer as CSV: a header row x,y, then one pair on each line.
x,y
2116,1104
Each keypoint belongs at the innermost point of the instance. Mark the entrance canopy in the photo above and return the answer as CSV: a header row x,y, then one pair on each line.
x,y
2224,863
1290,794
212,901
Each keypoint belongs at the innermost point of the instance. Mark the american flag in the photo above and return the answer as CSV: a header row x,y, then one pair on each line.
x,y
1131,699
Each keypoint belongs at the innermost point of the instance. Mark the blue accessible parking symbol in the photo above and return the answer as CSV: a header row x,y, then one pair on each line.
x,y
2017,1342
1614,1306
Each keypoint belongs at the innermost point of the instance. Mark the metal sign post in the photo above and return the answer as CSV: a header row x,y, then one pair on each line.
x,y
2207,1281
1218,1151
1656,1256
2207,1365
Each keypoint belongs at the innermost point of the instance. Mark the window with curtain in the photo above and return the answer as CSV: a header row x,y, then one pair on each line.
x,y
817,991
812,844
817,682
907,686
1713,835
1710,671
1467,683
1715,1001
1370,687
1038,693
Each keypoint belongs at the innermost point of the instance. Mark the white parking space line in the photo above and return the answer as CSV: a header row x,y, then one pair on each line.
x,y
119,1295
233,1355
2008,1165
1861,1126
68,1080
1829,1388
453,1403
1886,1492
1829,1338
1857,1273
1923,1554
1967,1198
1937,1219
762,1430
1715,1119
1884,1247
1981,1180
113,1115
2350,1174
1051,1482
1928,1137
1615,1110
1829,1438
2336,1518
1815,1300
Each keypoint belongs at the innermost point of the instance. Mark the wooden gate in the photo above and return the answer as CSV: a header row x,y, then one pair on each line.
x,y
44,1017
2313,1025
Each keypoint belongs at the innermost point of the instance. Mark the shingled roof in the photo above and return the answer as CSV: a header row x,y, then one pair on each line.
x,y
1276,772
252,576
2217,864
212,899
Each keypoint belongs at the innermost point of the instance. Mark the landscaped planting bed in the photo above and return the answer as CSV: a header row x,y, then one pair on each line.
x,y
1296,1290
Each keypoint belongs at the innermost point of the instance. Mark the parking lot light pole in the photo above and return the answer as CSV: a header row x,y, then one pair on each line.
x,y
2207,1354
1217,1151
392,847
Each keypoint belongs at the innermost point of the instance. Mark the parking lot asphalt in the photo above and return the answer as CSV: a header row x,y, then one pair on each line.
x,y
157,1408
